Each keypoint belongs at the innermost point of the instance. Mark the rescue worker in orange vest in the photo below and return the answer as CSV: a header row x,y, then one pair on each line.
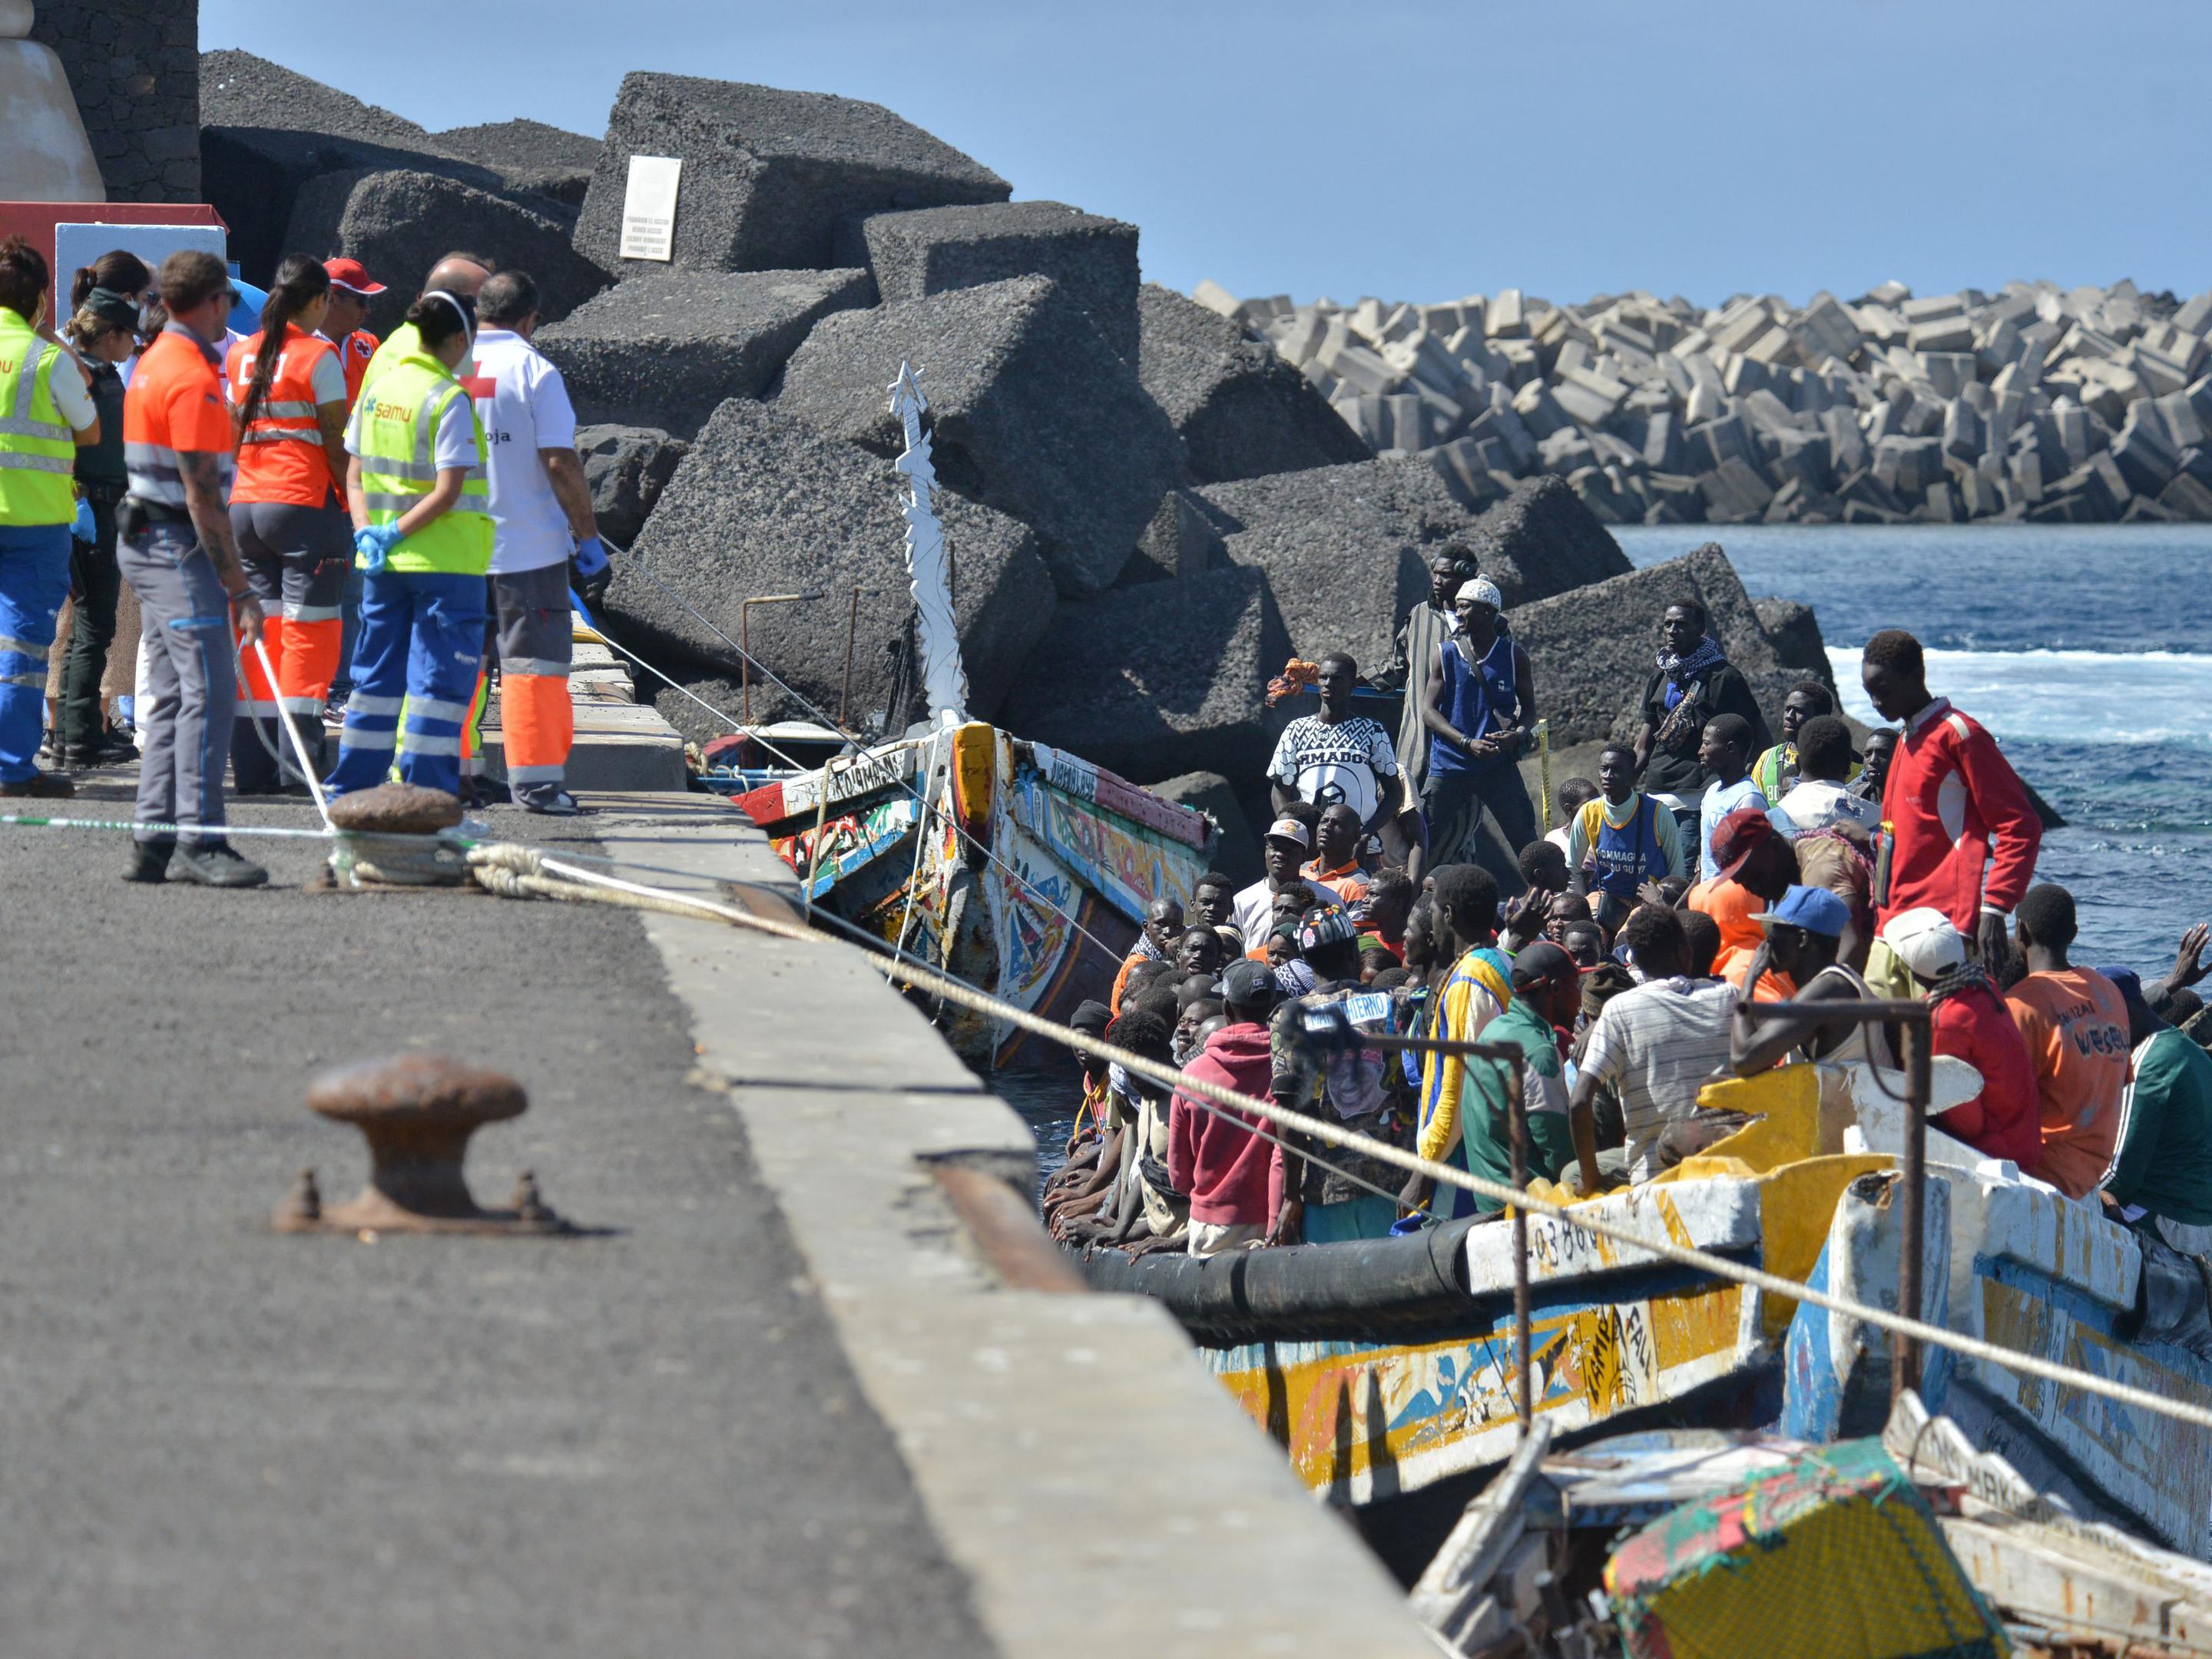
x,y
351,293
288,406
177,552
46,415
540,506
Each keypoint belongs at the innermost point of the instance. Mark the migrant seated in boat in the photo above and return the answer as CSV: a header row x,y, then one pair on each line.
x,y
1971,1024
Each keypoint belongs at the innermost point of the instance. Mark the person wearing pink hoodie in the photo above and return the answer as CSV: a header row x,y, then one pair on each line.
x,y
1213,1156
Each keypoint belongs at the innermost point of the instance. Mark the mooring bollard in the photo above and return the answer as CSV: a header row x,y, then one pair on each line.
x,y
416,1112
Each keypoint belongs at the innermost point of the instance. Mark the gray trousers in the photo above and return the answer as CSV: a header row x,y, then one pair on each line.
x,y
191,681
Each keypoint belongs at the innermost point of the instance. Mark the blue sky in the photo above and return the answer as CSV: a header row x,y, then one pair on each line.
x,y
1422,151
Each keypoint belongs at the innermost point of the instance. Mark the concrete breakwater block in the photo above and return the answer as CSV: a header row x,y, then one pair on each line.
x,y
1344,548
1546,535
398,223
1157,679
665,348
266,130
1241,410
768,173
934,250
763,504
1033,413
626,468
1594,648
528,155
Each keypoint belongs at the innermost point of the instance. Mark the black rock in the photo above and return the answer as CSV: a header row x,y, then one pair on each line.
x,y
1157,679
768,174
266,130
1241,409
665,349
627,467
1795,632
933,250
1346,548
1034,414
1593,649
1237,854
399,224
530,156
763,504
1553,542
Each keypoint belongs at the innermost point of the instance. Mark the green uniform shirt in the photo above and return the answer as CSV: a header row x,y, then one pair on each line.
x,y
1484,1123
2165,1160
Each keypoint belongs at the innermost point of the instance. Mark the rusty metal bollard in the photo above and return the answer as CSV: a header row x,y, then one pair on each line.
x,y
416,1112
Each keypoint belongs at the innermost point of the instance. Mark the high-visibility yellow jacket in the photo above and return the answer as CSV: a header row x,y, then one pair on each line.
x,y
37,454
394,429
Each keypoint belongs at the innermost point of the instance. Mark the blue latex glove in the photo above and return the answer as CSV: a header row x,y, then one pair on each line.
x,y
590,558
371,546
82,527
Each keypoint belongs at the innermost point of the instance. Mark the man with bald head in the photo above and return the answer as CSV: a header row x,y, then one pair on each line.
x,y
460,274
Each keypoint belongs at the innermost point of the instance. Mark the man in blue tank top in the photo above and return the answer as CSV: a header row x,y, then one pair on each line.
x,y
1622,839
1479,706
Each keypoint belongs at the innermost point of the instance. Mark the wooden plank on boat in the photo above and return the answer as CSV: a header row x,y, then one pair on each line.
x,y
777,804
1074,775
849,842
1720,1214
1366,1420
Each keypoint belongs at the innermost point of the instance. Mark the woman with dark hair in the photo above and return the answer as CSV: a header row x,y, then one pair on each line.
x,y
423,531
104,333
288,406
120,272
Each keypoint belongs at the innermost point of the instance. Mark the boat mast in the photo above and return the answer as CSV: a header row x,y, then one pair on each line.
x,y
936,631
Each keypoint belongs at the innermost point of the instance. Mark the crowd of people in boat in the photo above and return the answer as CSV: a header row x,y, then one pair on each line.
x,y
1711,865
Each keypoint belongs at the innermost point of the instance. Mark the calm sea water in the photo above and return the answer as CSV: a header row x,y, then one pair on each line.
x,y
2088,651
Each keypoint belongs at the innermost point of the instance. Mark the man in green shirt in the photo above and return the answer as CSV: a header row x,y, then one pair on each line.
x,y
1547,989
2163,1164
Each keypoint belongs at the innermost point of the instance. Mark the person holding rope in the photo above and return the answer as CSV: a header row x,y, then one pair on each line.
x,y
423,531
180,556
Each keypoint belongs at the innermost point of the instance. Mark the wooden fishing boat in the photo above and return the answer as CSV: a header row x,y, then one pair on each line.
x,y
1021,869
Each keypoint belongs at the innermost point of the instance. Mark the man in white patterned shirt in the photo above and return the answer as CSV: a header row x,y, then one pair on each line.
x,y
1337,756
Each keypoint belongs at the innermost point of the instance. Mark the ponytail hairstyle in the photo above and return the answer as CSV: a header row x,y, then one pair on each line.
x,y
119,270
300,283
438,316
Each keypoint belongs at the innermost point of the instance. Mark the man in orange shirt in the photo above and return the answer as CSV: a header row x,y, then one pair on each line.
x,y
2075,1024
177,552
1336,865
351,293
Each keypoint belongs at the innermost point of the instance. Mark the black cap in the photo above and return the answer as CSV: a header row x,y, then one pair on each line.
x,y
1091,1018
1543,963
1248,983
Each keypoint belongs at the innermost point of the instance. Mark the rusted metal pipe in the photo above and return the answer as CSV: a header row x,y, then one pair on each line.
x,y
745,642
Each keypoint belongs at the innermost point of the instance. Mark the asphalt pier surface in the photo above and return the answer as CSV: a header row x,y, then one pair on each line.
x,y
225,1442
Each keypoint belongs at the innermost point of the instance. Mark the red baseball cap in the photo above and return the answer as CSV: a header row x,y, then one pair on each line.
x,y
348,274
1738,835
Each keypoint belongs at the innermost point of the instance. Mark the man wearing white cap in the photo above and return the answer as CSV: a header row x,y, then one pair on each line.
x,y
1286,847
1972,1023
1479,707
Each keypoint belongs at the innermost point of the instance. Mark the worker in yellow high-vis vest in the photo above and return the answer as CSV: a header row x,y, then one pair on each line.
x,y
46,413
422,532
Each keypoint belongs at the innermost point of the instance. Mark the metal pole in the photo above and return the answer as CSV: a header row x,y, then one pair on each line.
x,y
814,860
1516,1111
851,639
1905,1351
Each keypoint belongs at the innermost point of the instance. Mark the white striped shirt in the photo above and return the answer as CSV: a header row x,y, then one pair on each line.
x,y
1657,1045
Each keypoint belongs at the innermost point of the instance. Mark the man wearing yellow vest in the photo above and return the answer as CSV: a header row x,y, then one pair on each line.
x,y
45,414
459,274
423,531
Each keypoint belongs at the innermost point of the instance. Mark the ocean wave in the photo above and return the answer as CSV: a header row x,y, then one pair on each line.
x,y
2130,699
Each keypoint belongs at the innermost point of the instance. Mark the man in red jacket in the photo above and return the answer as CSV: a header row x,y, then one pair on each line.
x,y
1953,803
1215,1159
1972,1023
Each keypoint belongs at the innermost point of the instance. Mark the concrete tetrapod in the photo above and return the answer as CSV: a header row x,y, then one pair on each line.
x,y
416,1112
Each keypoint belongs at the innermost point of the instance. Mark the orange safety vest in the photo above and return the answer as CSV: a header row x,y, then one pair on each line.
x,y
174,402
353,354
280,453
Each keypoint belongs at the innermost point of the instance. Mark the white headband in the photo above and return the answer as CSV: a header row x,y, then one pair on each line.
x,y
468,323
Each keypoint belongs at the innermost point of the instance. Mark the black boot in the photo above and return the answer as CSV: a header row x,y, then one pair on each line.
x,y
217,864
149,861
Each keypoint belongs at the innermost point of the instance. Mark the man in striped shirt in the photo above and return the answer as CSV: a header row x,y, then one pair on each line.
x,y
1656,1045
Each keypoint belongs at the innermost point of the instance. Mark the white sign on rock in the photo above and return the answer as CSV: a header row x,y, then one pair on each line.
x,y
648,228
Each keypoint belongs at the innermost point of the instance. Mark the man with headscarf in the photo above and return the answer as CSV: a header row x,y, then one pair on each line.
x,y
1694,683
1478,709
